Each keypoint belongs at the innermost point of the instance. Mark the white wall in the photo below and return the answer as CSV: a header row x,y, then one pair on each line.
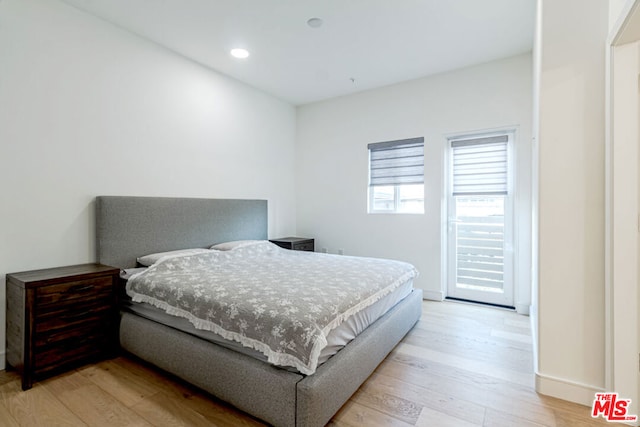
x,y
87,109
332,161
571,199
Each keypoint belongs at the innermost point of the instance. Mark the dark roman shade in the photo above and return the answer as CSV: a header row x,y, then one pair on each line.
x,y
480,166
396,162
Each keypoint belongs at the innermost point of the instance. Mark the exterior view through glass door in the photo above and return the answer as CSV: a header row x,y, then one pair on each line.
x,y
480,223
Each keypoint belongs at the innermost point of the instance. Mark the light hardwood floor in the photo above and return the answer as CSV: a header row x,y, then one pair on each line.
x,y
462,365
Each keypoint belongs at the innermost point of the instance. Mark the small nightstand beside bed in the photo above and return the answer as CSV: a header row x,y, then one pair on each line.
x,y
60,317
280,375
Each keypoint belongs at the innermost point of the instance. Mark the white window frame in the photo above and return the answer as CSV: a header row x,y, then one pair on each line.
x,y
396,189
396,201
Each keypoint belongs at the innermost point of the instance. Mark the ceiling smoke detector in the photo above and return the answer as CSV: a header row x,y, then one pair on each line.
x,y
314,22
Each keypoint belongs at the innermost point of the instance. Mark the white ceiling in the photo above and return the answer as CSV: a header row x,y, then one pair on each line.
x,y
374,42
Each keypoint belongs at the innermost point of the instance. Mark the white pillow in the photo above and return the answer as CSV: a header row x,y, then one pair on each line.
x,y
227,246
151,259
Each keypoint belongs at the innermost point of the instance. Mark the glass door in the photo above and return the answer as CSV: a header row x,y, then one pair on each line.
x,y
480,249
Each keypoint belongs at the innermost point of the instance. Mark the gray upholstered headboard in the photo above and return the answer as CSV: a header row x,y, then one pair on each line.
x,y
129,227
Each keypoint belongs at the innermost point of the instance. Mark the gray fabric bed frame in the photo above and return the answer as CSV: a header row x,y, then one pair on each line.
x,y
128,227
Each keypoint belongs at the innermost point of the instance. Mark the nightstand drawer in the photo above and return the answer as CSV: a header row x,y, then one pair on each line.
x,y
69,352
307,246
69,317
72,293
98,327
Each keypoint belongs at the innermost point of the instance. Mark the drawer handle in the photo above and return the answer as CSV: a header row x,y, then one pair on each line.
x,y
75,315
80,288
76,342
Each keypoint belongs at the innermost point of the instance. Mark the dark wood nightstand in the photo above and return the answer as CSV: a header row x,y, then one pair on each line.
x,y
295,243
60,317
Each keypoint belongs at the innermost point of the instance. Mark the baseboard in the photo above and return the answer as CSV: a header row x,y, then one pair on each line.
x,y
582,394
433,295
3,358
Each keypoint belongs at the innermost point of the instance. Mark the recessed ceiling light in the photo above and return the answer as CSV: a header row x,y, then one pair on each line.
x,y
314,22
240,53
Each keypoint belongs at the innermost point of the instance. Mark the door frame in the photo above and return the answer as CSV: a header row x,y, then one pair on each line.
x,y
510,207
621,276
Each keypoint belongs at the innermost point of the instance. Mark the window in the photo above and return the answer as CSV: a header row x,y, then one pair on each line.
x,y
480,166
396,176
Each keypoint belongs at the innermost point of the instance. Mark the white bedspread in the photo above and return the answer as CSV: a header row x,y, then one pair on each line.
x,y
282,303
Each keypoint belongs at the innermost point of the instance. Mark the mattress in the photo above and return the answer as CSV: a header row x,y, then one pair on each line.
x,y
279,302
336,339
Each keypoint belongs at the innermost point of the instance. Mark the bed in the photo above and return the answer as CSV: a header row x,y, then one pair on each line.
x,y
128,227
